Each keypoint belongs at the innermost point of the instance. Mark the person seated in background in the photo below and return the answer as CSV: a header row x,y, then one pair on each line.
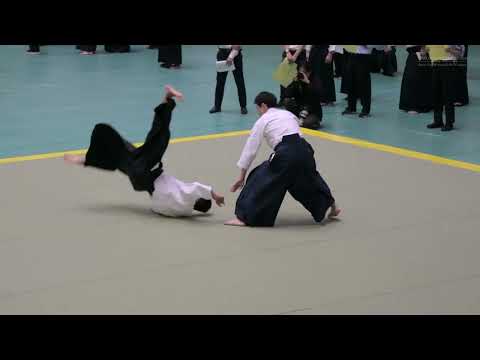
x,y
302,98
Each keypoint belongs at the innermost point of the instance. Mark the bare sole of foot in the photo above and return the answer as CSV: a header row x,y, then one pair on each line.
x,y
74,159
413,113
235,222
334,213
171,92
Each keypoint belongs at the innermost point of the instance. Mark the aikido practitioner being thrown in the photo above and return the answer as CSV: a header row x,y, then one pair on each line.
x,y
143,165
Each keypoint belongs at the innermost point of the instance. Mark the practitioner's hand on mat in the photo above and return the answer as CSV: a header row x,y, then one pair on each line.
x,y
238,185
219,199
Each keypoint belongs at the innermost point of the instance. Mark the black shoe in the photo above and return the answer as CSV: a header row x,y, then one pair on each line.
x,y
363,114
434,125
447,127
348,112
244,110
214,110
166,66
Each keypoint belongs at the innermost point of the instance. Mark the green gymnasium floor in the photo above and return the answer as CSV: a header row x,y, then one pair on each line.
x,y
52,101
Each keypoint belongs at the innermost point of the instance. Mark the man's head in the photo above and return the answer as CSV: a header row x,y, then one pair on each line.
x,y
202,205
264,101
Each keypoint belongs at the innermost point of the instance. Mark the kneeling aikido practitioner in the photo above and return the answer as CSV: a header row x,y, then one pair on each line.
x,y
143,165
290,168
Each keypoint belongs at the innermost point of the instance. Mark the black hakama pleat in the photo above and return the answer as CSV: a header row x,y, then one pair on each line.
x,y
110,151
117,48
323,72
170,54
346,83
461,85
389,62
416,92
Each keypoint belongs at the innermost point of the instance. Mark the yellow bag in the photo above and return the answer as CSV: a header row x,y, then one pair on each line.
x,y
285,73
351,48
437,52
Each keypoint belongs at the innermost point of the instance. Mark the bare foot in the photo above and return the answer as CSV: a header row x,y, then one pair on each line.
x,y
334,212
235,222
171,92
413,113
74,159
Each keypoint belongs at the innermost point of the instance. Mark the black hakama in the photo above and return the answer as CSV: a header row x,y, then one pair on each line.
x,y
357,76
117,48
291,168
338,61
170,54
323,72
416,92
345,83
461,86
389,62
109,151
376,60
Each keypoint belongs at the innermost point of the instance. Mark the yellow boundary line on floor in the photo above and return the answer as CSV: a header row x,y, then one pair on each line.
x,y
319,134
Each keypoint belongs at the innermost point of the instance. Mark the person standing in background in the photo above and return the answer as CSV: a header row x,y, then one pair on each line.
x,y
416,93
461,85
444,60
389,60
338,61
169,56
232,54
321,61
357,74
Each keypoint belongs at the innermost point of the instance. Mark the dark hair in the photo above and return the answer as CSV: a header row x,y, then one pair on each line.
x,y
266,98
202,205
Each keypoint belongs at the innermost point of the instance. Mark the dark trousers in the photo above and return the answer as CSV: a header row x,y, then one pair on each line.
x,y
222,55
89,48
292,168
338,61
109,151
117,48
358,71
170,54
443,75
301,59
